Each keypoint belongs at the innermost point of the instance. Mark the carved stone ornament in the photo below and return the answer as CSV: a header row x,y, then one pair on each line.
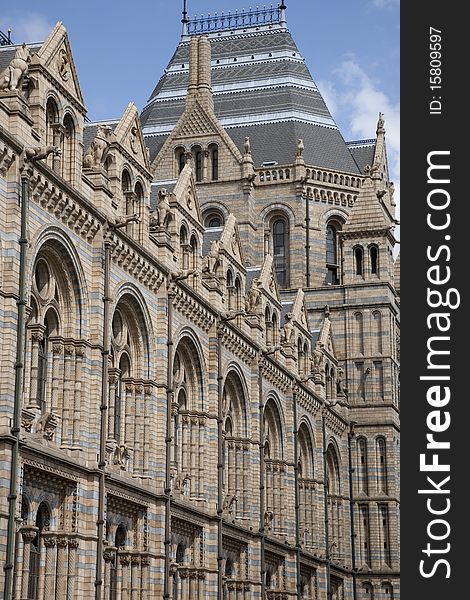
x,y
47,425
212,260
12,77
63,64
96,156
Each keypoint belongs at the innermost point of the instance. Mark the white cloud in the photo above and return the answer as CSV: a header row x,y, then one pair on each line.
x,y
28,27
356,100
385,3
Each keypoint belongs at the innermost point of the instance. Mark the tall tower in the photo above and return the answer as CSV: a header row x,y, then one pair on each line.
x,y
371,364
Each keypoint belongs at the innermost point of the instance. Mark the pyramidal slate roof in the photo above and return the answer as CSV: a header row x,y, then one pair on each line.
x,y
262,88
368,212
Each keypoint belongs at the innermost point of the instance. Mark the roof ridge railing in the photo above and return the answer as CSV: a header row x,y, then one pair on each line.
x,y
267,15
5,38
359,142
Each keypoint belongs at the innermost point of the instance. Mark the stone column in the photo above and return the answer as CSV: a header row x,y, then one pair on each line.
x,y
130,197
71,570
50,567
61,573
144,576
37,336
28,534
57,349
58,134
193,584
109,556
125,560
135,577
128,415
205,166
113,380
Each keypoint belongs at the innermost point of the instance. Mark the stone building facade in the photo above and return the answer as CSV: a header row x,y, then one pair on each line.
x,y
202,400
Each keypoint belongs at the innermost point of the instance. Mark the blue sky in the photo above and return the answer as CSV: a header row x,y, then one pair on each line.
x,y
121,48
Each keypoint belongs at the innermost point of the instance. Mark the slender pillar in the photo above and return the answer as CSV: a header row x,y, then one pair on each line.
x,y
72,568
50,567
61,573
135,577
28,534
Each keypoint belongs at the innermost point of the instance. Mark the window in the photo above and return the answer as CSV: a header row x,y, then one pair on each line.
x,y
180,155
68,154
228,568
374,260
381,466
43,520
214,153
213,219
197,157
332,252
359,260
215,222
52,129
279,233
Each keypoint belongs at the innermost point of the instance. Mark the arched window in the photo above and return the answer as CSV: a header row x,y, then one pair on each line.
x,y
374,260
180,156
230,290
275,329
367,591
236,454
68,152
180,554
188,424
332,252
138,209
50,328
275,475
268,327
334,503
228,568
280,251
359,332
124,373
43,521
362,471
127,195
52,128
184,248
214,154
213,220
127,412
364,534
377,333
381,458
359,260
193,250
56,362
307,486
198,160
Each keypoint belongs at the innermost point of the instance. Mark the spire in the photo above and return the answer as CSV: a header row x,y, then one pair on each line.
x,y
184,20
282,15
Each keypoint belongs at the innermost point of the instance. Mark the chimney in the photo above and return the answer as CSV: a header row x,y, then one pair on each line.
x,y
204,84
199,85
193,68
